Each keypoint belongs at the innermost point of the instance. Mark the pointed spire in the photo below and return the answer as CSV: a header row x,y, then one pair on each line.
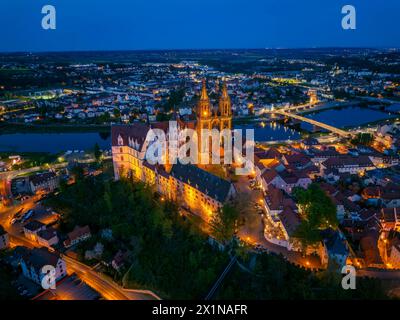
x,y
224,91
204,95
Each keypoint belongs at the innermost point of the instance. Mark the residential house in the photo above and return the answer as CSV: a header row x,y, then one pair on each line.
x,y
337,248
393,255
370,250
391,195
119,260
285,180
389,219
47,181
32,228
296,161
48,237
77,235
349,164
289,221
309,143
33,261
276,200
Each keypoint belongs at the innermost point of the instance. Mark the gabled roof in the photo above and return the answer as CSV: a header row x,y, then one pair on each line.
x,y
290,220
277,200
271,153
369,246
41,178
361,161
269,175
121,134
209,184
79,232
297,159
47,234
391,192
34,225
389,215
310,141
39,257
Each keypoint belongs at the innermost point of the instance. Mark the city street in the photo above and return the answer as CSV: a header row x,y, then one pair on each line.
x,y
253,232
106,287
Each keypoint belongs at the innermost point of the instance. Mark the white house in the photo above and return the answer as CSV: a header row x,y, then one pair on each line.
x,y
33,261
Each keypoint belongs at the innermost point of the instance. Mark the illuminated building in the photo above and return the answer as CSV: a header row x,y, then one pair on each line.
x,y
33,261
312,93
193,188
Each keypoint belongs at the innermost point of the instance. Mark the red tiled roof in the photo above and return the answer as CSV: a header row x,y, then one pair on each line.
x,y
361,161
269,175
78,232
290,220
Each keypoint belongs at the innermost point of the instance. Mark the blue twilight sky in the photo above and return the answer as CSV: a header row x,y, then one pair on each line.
x,y
186,24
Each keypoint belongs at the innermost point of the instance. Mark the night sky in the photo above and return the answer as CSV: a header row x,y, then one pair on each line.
x,y
196,24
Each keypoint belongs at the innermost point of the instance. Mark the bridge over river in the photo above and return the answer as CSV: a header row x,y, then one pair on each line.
x,y
328,127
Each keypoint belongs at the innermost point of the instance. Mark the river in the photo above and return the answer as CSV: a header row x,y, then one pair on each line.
x,y
264,132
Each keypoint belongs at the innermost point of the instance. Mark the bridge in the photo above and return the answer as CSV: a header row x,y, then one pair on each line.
x,y
332,129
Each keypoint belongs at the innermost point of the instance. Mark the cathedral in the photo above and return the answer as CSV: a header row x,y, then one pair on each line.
x,y
209,117
214,118
194,188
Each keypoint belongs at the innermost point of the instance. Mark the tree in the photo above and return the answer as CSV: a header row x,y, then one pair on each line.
x,y
175,99
363,138
117,113
223,223
307,234
318,212
316,207
77,172
97,152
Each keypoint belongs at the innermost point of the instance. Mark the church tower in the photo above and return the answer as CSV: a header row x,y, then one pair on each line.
x,y
204,111
225,109
204,115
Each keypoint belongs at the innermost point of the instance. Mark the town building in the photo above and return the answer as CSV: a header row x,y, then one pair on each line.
x,y
47,181
48,238
33,261
32,229
196,189
77,235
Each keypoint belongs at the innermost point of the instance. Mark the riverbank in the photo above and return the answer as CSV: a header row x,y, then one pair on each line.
x,y
8,128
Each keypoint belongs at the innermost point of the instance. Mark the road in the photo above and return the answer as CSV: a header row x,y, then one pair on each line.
x,y
105,286
333,129
253,232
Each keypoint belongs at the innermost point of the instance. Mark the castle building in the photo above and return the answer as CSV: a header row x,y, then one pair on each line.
x,y
193,188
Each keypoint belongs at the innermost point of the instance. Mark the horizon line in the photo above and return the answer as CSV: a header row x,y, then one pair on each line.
x,y
202,49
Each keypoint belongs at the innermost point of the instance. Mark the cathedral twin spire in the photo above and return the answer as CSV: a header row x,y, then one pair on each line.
x,y
204,109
